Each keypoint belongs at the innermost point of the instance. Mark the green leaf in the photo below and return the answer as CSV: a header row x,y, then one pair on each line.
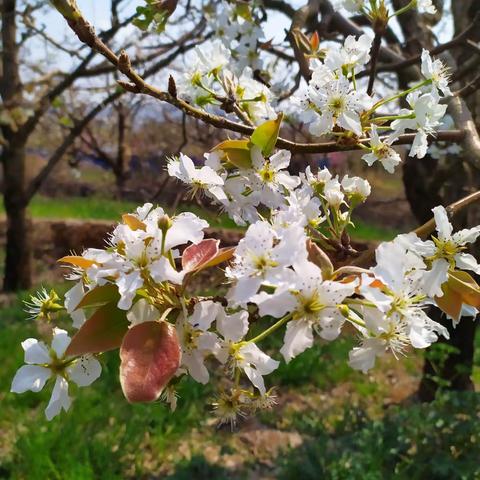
x,y
99,296
102,332
265,135
237,152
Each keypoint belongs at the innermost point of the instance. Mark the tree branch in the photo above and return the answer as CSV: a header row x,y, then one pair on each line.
x,y
86,34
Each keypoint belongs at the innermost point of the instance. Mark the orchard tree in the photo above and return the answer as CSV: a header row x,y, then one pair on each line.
x,y
30,91
295,268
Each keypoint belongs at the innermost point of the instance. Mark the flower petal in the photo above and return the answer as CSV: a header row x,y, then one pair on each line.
x,y
30,377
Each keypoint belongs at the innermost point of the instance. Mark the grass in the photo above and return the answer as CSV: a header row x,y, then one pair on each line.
x,y
370,232
96,208
339,414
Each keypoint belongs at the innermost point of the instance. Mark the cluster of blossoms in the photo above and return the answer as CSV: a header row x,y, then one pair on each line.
x,y
257,185
293,273
212,85
333,104
136,293
238,30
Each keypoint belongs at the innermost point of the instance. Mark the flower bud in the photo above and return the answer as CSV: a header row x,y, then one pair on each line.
x,y
164,223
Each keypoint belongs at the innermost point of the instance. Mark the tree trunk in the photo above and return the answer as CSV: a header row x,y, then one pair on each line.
x,y
18,262
18,265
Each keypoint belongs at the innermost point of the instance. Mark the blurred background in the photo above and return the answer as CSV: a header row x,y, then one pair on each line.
x,y
78,151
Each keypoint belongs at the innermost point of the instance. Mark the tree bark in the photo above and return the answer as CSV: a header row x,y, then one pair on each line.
x,y
18,264
19,258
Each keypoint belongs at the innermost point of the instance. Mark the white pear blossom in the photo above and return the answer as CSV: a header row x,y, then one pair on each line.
x,y
352,56
302,209
249,89
313,304
425,115
203,179
247,356
262,257
195,339
44,363
426,6
241,205
211,57
333,193
72,298
142,311
352,6
402,299
356,188
444,252
382,151
138,253
338,105
437,72
270,177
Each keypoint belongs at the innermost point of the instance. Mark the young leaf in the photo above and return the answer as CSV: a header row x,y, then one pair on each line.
x,y
450,302
133,222
150,356
464,284
196,255
265,135
460,288
77,261
314,41
223,255
100,295
102,332
237,152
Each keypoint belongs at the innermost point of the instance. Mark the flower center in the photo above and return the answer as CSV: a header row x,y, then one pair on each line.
x,y
337,105
309,306
267,174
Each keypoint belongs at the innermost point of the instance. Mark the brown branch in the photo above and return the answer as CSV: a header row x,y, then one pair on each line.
x,y
300,18
455,42
470,88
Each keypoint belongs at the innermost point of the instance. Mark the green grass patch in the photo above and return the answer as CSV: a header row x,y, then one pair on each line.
x,y
97,208
370,232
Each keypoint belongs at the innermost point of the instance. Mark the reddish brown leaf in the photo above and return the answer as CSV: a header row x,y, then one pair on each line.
x,y
150,356
103,331
196,255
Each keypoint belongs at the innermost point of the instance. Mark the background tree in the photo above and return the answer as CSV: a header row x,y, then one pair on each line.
x,y
28,97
